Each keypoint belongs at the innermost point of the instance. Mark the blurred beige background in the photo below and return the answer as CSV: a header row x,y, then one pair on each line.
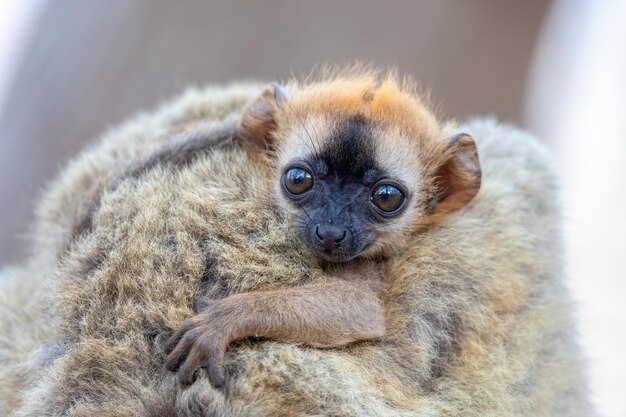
x,y
71,69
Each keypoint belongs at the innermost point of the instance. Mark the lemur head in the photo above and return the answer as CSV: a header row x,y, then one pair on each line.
x,y
360,162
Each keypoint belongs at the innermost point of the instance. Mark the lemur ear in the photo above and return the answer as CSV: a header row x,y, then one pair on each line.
x,y
258,122
458,177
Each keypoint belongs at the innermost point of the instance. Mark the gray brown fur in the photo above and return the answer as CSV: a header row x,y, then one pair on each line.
x,y
478,320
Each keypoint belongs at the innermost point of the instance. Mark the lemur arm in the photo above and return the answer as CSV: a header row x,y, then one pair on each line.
x,y
330,314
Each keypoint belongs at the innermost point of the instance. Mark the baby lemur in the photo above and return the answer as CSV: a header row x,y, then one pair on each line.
x,y
360,165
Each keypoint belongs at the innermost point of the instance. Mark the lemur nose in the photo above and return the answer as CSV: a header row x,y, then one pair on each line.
x,y
330,236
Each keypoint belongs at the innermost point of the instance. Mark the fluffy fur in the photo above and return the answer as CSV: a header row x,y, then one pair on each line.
x,y
479,323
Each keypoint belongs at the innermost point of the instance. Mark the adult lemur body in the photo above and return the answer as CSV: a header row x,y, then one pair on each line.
x,y
156,216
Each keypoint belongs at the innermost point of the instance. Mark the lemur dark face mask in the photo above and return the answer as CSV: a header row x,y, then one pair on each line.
x,y
342,194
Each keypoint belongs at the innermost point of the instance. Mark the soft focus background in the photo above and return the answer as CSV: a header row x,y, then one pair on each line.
x,y
70,69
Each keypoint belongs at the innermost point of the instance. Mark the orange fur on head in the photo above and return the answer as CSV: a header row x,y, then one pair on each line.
x,y
383,102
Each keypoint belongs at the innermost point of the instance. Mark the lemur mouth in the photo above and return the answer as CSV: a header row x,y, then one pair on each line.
x,y
334,248
335,256
338,255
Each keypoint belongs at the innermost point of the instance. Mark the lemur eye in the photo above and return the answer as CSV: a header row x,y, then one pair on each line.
x,y
388,198
297,180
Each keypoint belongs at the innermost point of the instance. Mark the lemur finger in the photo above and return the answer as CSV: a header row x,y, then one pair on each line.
x,y
215,367
202,304
181,352
173,341
197,357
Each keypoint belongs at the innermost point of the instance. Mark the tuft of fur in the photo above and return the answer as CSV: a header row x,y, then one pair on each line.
x,y
479,322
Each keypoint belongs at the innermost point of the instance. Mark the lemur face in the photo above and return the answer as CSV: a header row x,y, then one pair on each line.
x,y
359,165
340,193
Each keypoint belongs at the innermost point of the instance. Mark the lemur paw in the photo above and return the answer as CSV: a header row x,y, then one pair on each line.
x,y
199,342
